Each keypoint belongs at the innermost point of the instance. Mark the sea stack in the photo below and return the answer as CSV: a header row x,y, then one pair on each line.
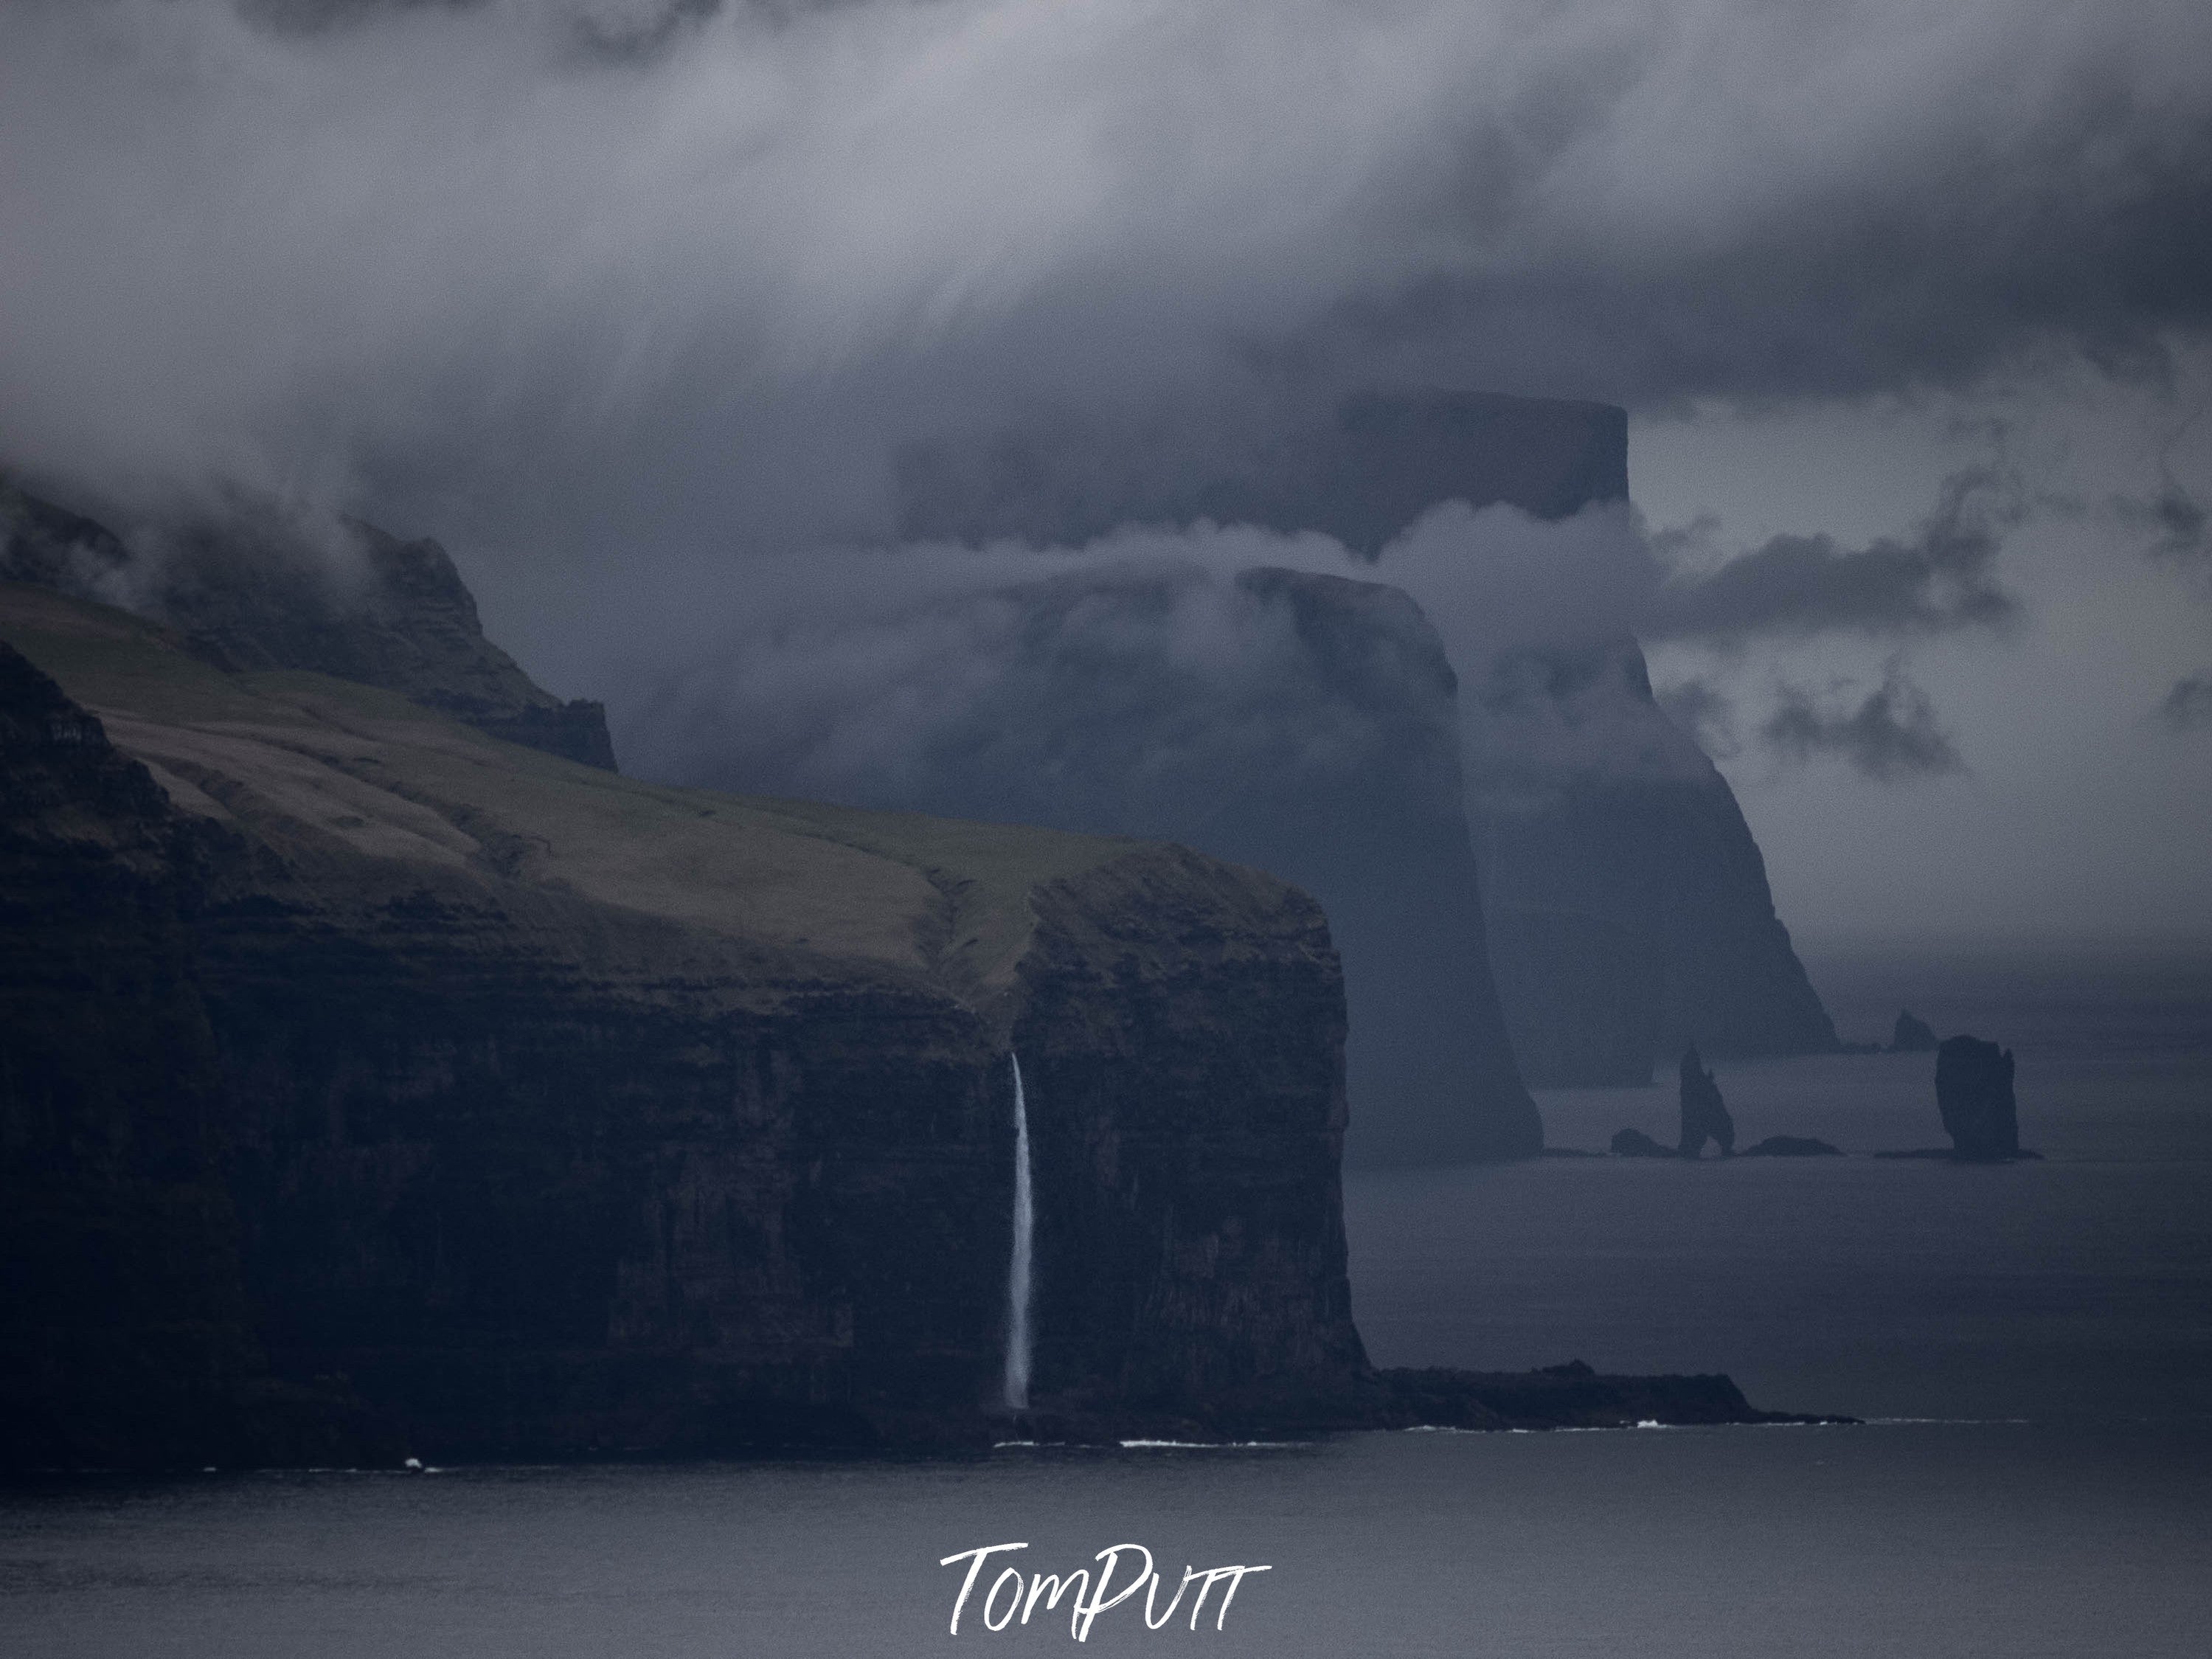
x,y
1912,1036
1973,1090
1634,1143
1704,1115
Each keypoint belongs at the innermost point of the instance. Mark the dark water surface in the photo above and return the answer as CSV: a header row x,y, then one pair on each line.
x,y
2077,1288
2054,1319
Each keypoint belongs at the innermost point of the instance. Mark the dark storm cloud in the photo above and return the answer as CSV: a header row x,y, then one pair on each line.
x,y
1940,578
2173,519
1890,735
2188,706
1841,206
447,268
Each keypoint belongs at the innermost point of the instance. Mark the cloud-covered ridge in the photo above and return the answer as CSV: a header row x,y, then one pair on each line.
x,y
715,286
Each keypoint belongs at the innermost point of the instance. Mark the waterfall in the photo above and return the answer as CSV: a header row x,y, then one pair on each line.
x,y
1018,1339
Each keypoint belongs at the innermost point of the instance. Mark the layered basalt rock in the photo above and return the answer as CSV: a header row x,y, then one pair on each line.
x,y
496,1105
383,1088
1179,1145
127,1338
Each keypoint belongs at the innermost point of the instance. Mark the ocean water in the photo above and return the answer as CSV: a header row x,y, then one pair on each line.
x,y
2034,1342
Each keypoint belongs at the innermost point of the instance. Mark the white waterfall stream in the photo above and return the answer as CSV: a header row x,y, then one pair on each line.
x,y
1018,1338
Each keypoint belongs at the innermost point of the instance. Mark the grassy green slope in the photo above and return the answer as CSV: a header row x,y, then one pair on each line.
x,y
309,764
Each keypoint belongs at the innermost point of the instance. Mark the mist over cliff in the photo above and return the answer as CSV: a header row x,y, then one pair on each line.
x,y
645,309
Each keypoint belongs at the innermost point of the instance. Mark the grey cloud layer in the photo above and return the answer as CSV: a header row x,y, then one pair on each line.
x,y
443,255
640,298
1890,734
1942,577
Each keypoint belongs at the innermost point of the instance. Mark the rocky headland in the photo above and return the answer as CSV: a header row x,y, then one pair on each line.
x,y
560,1114
378,1086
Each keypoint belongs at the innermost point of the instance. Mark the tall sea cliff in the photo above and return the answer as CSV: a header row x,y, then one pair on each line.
x,y
383,1083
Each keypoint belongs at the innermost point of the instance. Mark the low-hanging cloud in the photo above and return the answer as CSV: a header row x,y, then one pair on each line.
x,y
1890,735
936,674
702,282
1940,578
1705,712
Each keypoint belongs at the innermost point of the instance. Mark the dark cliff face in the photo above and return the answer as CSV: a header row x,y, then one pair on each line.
x,y
1629,907
126,1337
544,1179
109,1098
255,589
1385,846
1187,1111
512,1109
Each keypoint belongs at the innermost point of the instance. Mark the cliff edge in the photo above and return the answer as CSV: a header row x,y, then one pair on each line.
x,y
395,1085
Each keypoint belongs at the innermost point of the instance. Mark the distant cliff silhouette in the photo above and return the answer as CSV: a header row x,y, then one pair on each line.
x,y
1626,908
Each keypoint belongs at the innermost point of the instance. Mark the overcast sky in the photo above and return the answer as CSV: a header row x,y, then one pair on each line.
x,y
629,301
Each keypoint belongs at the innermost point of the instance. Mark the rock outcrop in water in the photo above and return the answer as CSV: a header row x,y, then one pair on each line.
x,y
251,588
1704,1115
1634,1143
1973,1092
1911,1036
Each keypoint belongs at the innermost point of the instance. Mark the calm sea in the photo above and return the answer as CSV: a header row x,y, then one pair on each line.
x,y
2034,1343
